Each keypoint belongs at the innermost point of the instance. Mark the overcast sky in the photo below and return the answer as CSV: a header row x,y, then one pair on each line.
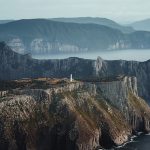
x,y
119,10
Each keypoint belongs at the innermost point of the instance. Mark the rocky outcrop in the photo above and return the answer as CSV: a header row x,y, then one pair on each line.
x,y
16,66
124,96
117,91
132,68
77,115
17,45
42,46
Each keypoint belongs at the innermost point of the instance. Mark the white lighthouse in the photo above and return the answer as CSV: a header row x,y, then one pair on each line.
x,y
71,78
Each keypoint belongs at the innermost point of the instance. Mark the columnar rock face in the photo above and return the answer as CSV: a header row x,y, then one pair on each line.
x,y
77,115
15,66
42,46
131,83
17,45
98,65
23,64
116,92
141,70
124,96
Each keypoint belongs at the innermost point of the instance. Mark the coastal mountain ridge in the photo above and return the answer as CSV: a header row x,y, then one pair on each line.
x,y
5,21
143,25
41,36
88,20
96,20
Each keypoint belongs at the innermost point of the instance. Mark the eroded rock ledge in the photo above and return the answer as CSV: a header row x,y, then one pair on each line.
x,y
61,115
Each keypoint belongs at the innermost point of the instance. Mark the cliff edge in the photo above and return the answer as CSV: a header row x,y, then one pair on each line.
x,y
56,114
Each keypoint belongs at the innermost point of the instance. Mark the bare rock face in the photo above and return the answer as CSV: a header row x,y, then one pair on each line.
x,y
124,96
98,65
41,46
131,83
17,45
77,115
130,68
117,91
16,66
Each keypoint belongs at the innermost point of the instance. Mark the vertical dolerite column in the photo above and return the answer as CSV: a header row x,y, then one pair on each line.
x,y
131,83
134,85
115,92
98,65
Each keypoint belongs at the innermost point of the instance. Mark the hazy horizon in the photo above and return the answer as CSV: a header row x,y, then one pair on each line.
x,y
120,11
117,21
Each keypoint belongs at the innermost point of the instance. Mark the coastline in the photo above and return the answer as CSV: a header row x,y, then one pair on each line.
x,y
131,140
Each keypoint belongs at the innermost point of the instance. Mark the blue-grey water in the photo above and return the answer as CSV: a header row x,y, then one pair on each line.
x,y
131,54
139,143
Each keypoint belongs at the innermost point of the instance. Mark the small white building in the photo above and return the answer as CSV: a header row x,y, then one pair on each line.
x,y
71,79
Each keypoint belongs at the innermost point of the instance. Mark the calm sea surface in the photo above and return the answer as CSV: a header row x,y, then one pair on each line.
x,y
132,54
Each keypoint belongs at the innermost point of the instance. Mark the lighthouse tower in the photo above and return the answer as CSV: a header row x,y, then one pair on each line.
x,y
71,79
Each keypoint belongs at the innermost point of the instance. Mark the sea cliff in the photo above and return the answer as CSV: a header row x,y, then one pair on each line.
x,y
77,115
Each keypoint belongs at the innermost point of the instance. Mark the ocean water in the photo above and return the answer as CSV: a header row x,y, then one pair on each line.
x,y
141,142
131,54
